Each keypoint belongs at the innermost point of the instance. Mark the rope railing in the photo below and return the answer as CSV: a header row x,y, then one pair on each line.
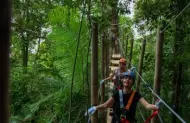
x,y
160,118
172,20
153,92
141,114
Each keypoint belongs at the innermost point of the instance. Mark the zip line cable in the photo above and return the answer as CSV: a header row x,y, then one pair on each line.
x,y
175,17
160,118
71,93
141,113
153,92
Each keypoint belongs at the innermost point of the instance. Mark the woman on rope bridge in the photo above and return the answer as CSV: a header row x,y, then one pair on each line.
x,y
125,101
117,73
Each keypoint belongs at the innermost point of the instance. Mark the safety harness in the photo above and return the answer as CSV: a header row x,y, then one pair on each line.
x,y
126,108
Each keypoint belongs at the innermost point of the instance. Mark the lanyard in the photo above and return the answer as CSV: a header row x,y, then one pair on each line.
x,y
129,101
151,116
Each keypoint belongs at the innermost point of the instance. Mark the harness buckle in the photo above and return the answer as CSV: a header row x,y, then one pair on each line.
x,y
122,116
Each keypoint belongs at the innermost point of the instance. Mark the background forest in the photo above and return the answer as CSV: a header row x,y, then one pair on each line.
x,y
47,33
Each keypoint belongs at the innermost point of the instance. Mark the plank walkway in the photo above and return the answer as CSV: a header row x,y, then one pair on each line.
x,y
114,63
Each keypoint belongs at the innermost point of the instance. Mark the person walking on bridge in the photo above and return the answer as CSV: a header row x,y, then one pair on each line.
x,y
124,101
116,74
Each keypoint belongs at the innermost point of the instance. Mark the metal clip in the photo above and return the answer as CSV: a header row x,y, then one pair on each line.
x,y
122,116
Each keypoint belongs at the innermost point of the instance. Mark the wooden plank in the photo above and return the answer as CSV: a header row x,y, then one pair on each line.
x,y
109,110
113,67
115,62
116,56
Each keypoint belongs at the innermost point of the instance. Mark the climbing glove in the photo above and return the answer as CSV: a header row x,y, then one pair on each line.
x,y
158,104
90,111
133,68
101,82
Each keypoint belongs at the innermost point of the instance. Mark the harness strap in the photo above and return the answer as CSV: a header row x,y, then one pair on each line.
x,y
152,115
123,118
130,100
121,99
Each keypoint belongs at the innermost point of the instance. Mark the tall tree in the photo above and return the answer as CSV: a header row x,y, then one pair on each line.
x,y
158,66
178,54
114,26
5,15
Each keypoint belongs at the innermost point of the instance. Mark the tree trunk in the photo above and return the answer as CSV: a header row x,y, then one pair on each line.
x,y
141,63
103,74
131,53
158,65
103,67
178,54
38,46
25,54
126,48
107,58
94,70
26,42
123,44
115,26
4,62
38,49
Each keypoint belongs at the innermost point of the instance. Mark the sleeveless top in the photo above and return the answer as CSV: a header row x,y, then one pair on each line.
x,y
130,115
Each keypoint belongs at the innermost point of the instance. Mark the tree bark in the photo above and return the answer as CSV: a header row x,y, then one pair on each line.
x,y
103,67
178,53
131,53
126,46
103,74
5,14
141,63
94,70
158,66
115,26
107,58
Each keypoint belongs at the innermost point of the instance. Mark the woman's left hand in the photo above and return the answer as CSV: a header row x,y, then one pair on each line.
x,y
158,104
91,111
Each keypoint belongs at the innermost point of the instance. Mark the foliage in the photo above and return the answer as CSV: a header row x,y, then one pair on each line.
x,y
150,14
43,48
42,93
